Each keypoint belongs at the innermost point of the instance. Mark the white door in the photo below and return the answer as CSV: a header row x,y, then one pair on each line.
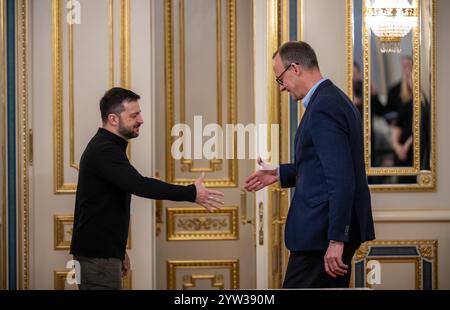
x,y
204,75
73,64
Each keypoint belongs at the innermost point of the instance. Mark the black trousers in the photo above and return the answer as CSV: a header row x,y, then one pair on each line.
x,y
306,269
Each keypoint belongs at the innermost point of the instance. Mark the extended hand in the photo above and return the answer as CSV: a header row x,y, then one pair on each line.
x,y
265,176
334,265
207,198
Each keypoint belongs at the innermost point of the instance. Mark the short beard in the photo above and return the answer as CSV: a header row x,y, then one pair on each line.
x,y
125,132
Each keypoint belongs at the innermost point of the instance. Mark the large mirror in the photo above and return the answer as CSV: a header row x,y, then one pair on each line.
x,y
392,83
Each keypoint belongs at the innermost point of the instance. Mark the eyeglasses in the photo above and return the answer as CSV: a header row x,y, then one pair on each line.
x,y
279,78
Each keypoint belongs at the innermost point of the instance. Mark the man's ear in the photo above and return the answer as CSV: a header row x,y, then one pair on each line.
x,y
297,69
113,119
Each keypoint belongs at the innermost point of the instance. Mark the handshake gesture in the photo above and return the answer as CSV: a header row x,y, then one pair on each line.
x,y
263,177
213,200
207,198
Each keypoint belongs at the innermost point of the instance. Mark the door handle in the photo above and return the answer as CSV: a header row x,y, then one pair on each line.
x,y
261,223
244,218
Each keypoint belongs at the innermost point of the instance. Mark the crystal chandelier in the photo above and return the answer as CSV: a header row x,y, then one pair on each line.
x,y
390,20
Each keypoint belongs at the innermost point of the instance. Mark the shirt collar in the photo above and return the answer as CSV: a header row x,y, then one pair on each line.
x,y
113,137
311,92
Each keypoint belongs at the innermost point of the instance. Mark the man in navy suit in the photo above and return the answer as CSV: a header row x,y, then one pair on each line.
x,y
330,213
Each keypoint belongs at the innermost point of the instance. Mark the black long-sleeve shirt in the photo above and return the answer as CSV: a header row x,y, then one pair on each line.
x,y
102,208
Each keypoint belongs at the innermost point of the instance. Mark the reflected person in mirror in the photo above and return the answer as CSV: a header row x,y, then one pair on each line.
x,y
330,213
399,113
381,154
106,182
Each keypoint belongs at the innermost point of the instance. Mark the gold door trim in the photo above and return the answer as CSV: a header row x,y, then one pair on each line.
x,y
215,165
59,223
72,164
202,225
231,264
23,143
125,44
59,279
60,186
216,280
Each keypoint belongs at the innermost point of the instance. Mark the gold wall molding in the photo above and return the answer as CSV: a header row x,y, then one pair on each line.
x,y
174,265
190,281
187,165
3,267
62,236
417,252
59,280
111,42
60,186
23,143
72,162
125,44
199,224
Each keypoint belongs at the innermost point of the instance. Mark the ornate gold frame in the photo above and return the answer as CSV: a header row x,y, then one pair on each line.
x,y
214,164
231,180
426,180
24,143
231,264
426,249
203,215
59,221
190,281
60,187
59,277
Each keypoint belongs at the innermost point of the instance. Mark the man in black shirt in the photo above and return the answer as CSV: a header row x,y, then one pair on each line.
x,y
106,182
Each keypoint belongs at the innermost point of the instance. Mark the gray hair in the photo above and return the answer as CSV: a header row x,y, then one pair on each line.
x,y
297,52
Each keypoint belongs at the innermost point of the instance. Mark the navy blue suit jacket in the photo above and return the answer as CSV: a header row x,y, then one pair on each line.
x,y
328,175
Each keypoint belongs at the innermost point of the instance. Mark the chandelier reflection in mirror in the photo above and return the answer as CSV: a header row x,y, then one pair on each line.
x,y
390,20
